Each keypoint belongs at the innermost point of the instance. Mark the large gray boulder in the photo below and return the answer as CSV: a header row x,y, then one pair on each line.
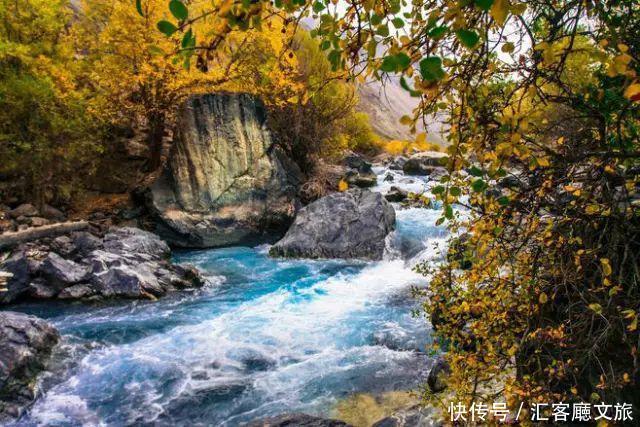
x,y
225,182
296,420
352,224
25,345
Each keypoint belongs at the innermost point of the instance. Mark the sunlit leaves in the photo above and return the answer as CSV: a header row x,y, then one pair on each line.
x,y
632,92
500,11
431,69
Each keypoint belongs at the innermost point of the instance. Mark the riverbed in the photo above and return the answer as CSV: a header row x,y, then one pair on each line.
x,y
265,336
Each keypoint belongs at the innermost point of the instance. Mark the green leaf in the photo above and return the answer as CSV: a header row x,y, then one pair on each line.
x,y
325,45
389,64
318,7
431,69
375,19
455,191
504,201
476,171
397,62
178,10
468,38
484,4
448,212
335,59
479,185
383,30
167,28
186,40
398,23
438,189
139,8
405,86
437,32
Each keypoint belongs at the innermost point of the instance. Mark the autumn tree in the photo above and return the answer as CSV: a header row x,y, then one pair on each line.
x,y
48,130
540,300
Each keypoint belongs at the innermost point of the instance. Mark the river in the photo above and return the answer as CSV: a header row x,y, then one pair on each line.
x,y
263,337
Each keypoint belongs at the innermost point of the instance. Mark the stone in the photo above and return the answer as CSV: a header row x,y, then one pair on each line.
x,y
39,289
26,343
51,213
296,420
361,179
77,292
438,374
25,210
17,265
128,282
425,163
398,163
388,178
63,245
38,222
226,182
135,242
396,194
85,242
351,224
60,272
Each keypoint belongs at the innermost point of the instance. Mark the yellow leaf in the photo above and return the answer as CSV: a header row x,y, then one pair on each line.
x,y
623,48
634,325
543,298
596,307
632,92
508,47
606,266
342,185
406,120
500,10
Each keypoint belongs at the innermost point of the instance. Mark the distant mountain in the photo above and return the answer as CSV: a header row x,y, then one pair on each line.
x,y
386,104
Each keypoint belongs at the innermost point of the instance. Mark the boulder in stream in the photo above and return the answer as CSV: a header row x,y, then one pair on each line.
x,y
26,343
425,163
351,224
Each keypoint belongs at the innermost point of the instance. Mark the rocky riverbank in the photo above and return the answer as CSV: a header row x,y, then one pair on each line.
x,y
26,343
124,262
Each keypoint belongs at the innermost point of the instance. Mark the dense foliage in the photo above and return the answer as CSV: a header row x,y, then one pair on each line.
x,y
539,300
78,78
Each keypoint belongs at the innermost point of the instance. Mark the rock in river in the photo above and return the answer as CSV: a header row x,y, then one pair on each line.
x,y
352,224
25,345
226,181
425,163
